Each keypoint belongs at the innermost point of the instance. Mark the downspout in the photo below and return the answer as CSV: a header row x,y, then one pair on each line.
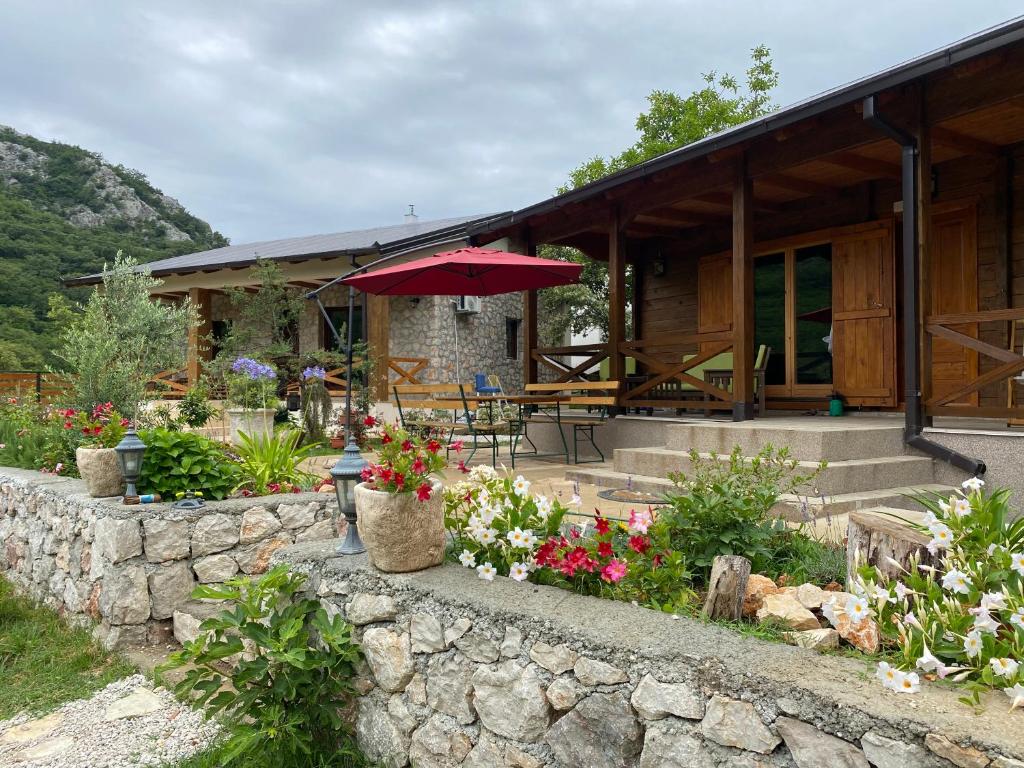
x,y
912,433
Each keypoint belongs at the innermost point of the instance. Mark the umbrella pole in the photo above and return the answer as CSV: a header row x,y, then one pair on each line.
x,y
458,363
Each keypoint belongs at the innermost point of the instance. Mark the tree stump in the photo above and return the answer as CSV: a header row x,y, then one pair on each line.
x,y
880,540
726,587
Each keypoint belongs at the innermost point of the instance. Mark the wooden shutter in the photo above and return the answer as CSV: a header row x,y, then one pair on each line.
x,y
714,296
864,318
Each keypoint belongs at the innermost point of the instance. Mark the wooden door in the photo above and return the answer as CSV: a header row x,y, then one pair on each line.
x,y
714,296
863,318
953,275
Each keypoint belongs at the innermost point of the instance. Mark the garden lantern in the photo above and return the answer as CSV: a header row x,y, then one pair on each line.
x,y
347,473
129,458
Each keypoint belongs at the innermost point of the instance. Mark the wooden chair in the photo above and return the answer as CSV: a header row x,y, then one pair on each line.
x,y
586,409
451,411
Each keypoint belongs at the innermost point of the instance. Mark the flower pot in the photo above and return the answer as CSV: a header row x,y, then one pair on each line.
x,y
400,532
100,471
257,423
337,442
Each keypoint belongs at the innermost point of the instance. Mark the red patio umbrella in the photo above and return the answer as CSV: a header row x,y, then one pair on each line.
x,y
467,272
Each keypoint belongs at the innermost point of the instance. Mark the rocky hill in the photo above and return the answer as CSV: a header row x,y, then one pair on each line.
x,y
65,211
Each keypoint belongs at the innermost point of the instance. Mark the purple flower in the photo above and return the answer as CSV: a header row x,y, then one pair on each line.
x,y
314,372
253,369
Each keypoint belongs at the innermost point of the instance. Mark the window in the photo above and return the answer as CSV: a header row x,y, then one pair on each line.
x,y
339,318
512,337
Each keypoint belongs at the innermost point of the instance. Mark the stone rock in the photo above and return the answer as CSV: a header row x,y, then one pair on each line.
x,y
812,748
256,559
667,744
124,598
390,658
427,633
863,635
809,595
378,736
758,587
31,730
401,533
964,757
416,690
170,586
403,718
436,744
511,644
137,704
601,732
46,749
557,658
564,692
655,700
165,539
298,515
517,758
101,471
478,647
258,524
510,701
591,672
733,723
117,539
815,639
1006,762
120,636
450,688
214,569
786,610
368,609
186,621
317,532
883,752
456,630
214,533
491,752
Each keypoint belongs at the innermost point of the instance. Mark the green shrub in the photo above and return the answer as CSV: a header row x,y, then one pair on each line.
x,y
176,462
283,697
271,464
195,409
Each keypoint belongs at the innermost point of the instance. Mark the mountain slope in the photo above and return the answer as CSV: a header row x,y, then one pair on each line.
x,y
64,211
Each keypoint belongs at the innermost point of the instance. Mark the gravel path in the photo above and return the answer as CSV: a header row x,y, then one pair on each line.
x,y
129,723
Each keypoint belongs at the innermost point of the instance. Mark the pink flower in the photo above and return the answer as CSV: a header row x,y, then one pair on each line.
x,y
604,549
457,446
423,492
463,468
418,467
614,571
640,521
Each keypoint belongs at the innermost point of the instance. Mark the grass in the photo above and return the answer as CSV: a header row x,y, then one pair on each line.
x,y
44,662
347,756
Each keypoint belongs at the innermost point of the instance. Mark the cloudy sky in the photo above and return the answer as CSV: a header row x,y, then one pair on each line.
x,y
271,119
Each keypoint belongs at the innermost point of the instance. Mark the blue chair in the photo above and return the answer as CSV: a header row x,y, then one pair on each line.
x,y
482,388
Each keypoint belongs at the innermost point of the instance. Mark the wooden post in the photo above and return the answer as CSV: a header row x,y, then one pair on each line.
x,y
743,294
924,228
616,298
876,539
198,336
529,326
727,587
377,329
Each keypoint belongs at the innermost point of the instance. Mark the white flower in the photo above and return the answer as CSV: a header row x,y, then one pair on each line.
x,y
1016,694
828,611
521,486
993,601
543,507
901,590
482,472
928,662
1004,667
973,483
467,558
929,519
531,540
483,497
576,500
857,609
1017,562
942,537
1017,619
972,644
485,535
519,538
983,622
486,572
475,523
911,619
487,514
888,674
944,505
909,683
961,507
956,581
882,595
518,572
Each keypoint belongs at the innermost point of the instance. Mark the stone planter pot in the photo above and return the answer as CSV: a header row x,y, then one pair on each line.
x,y
100,471
257,423
400,532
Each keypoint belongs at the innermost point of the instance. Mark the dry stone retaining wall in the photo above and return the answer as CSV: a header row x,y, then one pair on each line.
x,y
461,672
129,568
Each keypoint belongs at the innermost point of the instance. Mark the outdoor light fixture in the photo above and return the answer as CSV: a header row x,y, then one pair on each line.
x,y
129,458
347,473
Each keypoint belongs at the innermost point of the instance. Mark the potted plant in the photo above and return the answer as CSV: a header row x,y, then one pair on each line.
x,y
336,434
400,506
101,430
252,399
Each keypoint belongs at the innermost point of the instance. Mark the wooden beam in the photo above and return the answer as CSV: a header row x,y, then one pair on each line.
x,y
378,335
743,295
866,165
681,217
794,184
963,142
616,297
198,347
680,184
725,200
306,283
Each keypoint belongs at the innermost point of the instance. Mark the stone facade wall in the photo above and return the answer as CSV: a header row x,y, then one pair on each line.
x,y
462,672
130,568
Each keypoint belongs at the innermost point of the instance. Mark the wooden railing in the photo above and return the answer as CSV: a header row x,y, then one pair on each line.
x,y
669,383
406,369
45,387
566,371
169,385
1010,363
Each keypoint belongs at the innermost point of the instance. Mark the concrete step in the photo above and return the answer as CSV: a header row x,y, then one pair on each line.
x,y
808,440
838,477
790,507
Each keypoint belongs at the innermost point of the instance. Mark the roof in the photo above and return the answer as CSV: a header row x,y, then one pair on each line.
x,y
969,47
378,240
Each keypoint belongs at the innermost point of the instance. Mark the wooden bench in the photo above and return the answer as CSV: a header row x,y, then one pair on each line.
x,y
447,398
586,408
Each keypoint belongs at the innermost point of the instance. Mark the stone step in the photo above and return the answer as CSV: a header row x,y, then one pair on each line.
x,y
846,439
838,477
792,508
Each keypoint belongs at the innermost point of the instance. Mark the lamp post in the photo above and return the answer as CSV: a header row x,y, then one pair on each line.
x,y
129,458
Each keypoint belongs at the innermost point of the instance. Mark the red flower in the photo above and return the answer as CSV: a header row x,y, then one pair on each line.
x,y
457,446
407,445
366,475
296,489
68,425
97,429
463,468
418,467
274,487
385,438
125,422
639,544
399,479
601,524
656,561
604,549
246,492
574,533
85,430
369,421
423,492
433,446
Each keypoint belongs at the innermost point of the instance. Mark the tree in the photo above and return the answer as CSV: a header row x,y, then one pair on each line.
x,y
670,122
121,338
